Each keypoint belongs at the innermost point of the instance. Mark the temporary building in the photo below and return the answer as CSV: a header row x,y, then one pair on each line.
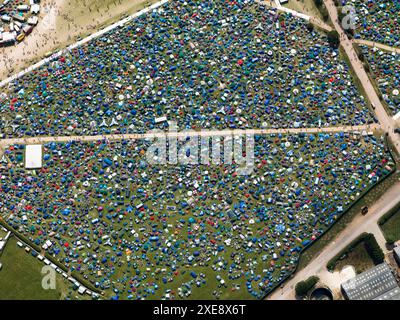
x,y
33,157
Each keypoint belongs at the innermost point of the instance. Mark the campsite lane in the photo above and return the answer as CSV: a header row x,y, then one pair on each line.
x,y
377,45
184,134
389,199
314,20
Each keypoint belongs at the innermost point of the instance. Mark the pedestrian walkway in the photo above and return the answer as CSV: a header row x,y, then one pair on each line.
x,y
313,20
377,45
366,129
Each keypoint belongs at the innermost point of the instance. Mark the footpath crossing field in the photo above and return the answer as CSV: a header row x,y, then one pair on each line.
x,y
385,70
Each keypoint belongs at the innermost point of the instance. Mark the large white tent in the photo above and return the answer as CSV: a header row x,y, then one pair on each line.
x,y
33,157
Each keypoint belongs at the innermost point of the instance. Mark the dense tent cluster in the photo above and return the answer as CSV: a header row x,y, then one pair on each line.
x,y
205,64
17,20
377,20
385,69
138,231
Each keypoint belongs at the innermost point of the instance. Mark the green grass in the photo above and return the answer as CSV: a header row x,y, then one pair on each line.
x,y
2,233
358,258
391,228
21,278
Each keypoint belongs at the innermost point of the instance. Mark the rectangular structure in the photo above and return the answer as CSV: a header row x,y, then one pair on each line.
x,y
377,283
33,157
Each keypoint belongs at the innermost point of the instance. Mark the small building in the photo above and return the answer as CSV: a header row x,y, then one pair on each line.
x,y
377,283
23,7
33,157
8,37
81,290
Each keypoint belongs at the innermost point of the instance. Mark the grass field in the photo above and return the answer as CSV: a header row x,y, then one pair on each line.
x,y
21,278
358,258
391,228
2,233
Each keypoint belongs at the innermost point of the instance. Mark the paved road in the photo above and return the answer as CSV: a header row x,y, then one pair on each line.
x,y
377,44
359,225
386,121
183,134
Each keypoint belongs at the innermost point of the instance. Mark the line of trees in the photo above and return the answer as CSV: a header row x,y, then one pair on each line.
x,y
373,249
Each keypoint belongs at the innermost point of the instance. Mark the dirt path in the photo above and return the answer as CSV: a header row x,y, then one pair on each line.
x,y
390,199
359,225
377,45
304,14
183,134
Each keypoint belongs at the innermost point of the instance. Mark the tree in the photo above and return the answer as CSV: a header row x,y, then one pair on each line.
x,y
303,287
310,27
318,3
373,249
333,39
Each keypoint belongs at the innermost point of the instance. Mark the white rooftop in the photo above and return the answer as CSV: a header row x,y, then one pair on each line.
x,y
33,157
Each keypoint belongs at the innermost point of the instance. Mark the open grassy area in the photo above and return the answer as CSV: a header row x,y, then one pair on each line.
x,y
358,258
2,233
21,278
84,17
391,228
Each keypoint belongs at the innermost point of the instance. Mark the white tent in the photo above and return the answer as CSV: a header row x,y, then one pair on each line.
x,y
33,157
